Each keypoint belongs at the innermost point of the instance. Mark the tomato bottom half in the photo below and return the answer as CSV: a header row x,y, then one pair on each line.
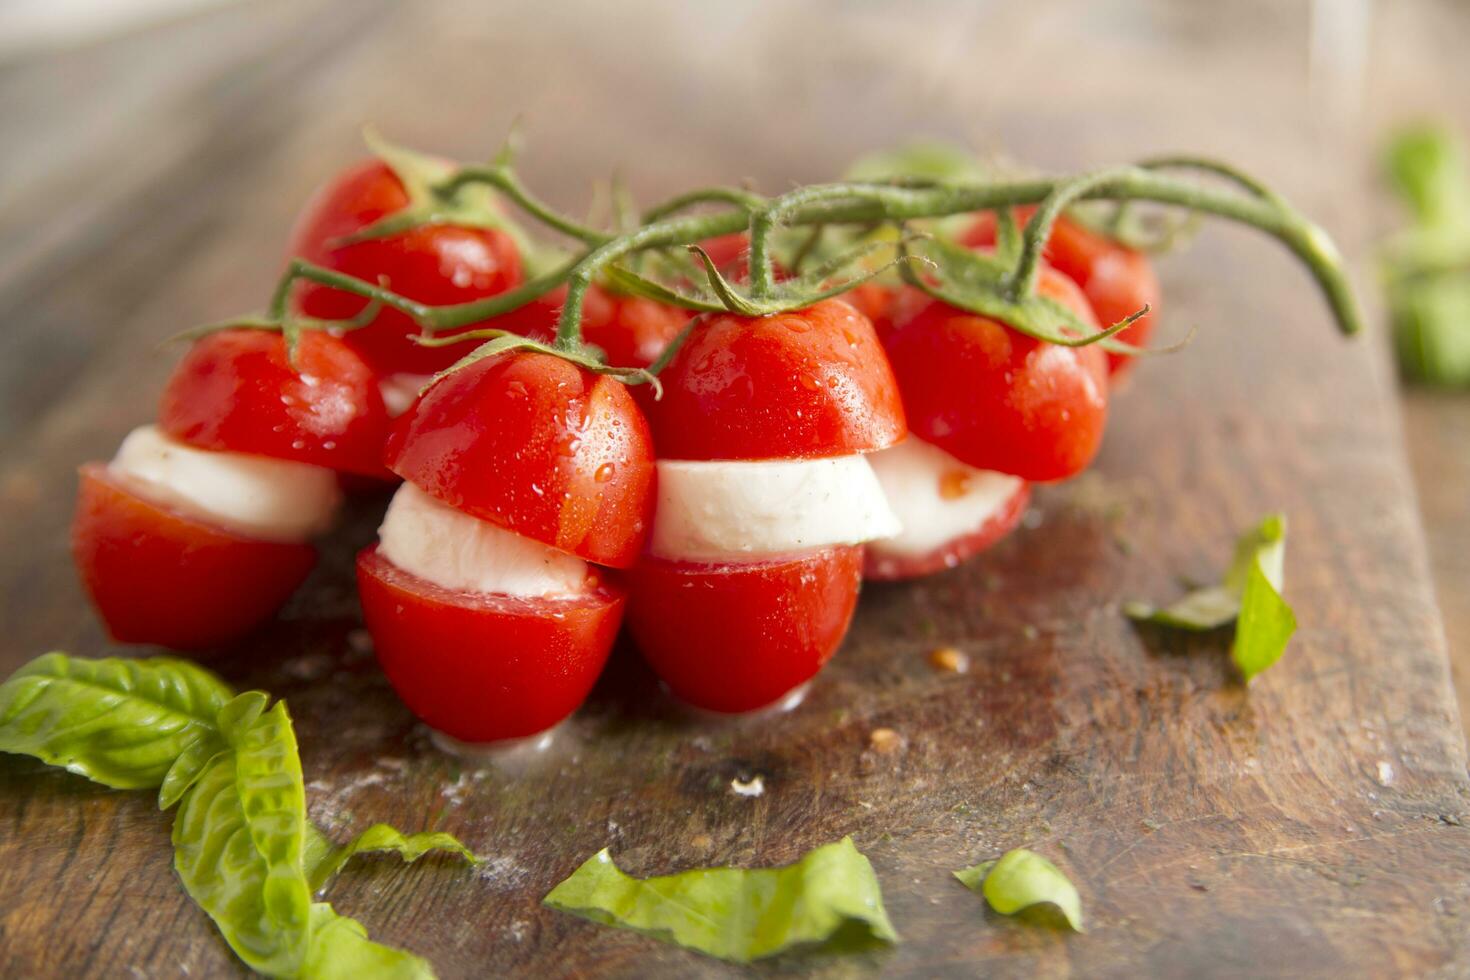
x,y
738,637
483,667
157,575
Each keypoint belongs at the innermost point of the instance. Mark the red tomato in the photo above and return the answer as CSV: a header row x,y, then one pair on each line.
x,y
890,568
630,330
436,264
159,576
482,667
237,391
1116,280
874,301
997,399
742,636
538,446
805,384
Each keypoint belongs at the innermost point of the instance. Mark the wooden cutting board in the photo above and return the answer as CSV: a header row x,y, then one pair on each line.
x,y
1311,826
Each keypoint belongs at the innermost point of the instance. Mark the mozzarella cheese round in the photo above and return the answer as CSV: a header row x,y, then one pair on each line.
x,y
733,510
937,498
426,537
400,390
257,496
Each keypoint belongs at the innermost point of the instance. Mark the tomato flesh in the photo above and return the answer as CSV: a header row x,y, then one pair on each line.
x,y
997,399
737,637
797,385
157,575
237,391
538,446
436,264
892,568
1117,281
483,667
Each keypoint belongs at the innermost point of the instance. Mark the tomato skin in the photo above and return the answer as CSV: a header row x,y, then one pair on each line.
x,y
739,637
1116,280
997,399
483,667
538,446
874,301
895,568
159,576
631,330
435,264
799,385
237,391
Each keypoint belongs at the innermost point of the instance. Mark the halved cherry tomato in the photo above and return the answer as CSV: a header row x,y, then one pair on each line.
x,y
437,264
737,637
157,575
805,384
995,398
237,390
538,446
1116,280
485,667
631,331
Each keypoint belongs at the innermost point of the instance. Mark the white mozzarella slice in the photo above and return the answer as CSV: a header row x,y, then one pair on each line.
x,y
257,496
400,390
428,538
936,497
743,510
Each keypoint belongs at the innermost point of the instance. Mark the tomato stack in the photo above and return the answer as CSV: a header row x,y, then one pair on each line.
x,y
789,456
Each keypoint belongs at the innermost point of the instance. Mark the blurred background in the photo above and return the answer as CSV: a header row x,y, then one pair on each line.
x,y
155,151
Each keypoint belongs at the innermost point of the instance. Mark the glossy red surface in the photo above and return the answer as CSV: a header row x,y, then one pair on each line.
x,y
997,399
1116,280
237,391
158,576
435,264
482,667
891,568
795,385
739,637
536,445
632,331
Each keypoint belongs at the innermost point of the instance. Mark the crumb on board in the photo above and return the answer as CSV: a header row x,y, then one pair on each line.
x,y
885,741
949,660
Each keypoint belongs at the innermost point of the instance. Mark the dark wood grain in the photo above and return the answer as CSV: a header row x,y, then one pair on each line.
x,y
1311,826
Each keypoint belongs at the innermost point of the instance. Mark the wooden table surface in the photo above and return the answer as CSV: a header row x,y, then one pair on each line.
x,y
1311,826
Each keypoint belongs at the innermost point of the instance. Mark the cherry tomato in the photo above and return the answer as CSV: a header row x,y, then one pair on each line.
x,y
795,385
538,446
435,264
1116,280
736,637
997,399
874,301
881,566
483,667
159,576
237,390
631,331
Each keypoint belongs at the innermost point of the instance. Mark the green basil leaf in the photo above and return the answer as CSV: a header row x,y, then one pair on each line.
x,y
1021,879
341,950
239,837
323,863
188,767
1254,577
123,723
829,899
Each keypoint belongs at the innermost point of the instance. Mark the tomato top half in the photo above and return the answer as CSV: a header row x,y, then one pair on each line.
x,y
237,390
1117,281
995,398
435,264
538,446
630,330
805,384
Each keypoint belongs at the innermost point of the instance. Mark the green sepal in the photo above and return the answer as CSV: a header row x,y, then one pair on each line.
x,y
1021,879
123,723
829,900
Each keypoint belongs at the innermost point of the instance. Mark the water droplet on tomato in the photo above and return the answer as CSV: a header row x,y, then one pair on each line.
x,y
516,389
798,324
808,382
604,473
